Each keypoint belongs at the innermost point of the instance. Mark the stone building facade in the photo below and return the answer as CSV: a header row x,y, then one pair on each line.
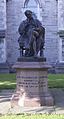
x,y
49,12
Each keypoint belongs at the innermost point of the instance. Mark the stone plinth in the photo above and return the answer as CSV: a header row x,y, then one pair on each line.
x,y
32,85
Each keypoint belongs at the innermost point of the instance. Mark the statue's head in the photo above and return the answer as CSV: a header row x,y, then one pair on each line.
x,y
28,14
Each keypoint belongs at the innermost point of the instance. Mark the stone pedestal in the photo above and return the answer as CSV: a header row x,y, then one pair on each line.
x,y
32,85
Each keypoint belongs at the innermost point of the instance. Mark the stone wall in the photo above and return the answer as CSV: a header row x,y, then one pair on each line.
x,y
14,16
51,25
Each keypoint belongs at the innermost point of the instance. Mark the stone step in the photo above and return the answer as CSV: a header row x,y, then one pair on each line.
x,y
59,68
4,68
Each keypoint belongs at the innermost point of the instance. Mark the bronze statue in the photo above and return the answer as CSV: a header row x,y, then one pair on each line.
x,y
32,34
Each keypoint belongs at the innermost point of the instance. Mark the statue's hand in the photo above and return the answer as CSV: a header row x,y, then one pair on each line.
x,y
37,29
35,33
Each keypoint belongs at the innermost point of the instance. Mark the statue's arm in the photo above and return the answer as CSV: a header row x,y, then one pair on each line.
x,y
41,30
22,27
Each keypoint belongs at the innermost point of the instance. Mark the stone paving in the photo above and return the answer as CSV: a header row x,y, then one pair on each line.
x,y
58,108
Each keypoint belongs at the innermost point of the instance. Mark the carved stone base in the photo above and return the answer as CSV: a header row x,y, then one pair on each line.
x,y
32,85
31,102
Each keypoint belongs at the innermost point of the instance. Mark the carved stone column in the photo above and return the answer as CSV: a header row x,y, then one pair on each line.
x,y
61,17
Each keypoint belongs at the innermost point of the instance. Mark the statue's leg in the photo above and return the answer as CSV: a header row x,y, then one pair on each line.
x,y
41,50
31,41
29,34
40,45
27,52
35,47
21,52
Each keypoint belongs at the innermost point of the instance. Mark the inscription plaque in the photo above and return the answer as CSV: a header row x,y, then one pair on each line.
x,y
32,85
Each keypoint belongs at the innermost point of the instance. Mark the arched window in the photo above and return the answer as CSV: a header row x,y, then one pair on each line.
x,y
34,6
2,50
61,29
3,32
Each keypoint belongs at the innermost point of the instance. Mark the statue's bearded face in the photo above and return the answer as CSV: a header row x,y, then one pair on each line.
x,y
28,14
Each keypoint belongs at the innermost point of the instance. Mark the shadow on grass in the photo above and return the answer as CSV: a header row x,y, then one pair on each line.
x,y
7,81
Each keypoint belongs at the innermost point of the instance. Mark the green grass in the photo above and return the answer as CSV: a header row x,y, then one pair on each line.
x,y
56,80
8,81
33,116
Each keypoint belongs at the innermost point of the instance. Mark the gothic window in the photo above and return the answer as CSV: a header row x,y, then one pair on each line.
x,y
60,15
34,6
62,49
2,50
61,29
61,44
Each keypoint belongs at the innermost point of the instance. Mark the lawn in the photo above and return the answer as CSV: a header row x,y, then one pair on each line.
x,y
56,80
33,116
8,81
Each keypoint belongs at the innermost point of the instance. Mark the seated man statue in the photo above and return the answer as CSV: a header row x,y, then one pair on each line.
x,y
32,34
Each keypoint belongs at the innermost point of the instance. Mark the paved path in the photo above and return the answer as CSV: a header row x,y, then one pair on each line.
x,y
58,108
